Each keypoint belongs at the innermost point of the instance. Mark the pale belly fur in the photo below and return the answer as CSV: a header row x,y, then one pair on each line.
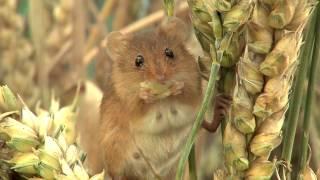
x,y
162,138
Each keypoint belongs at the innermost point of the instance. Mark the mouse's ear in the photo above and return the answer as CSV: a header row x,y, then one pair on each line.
x,y
116,44
174,29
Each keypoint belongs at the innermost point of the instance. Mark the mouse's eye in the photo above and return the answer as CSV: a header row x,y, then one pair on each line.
x,y
139,61
169,53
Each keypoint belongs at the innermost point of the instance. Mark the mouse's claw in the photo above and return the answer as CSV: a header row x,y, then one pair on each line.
x,y
221,106
223,101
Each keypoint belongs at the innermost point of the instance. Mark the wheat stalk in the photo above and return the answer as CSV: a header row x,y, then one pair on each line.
x,y
252,38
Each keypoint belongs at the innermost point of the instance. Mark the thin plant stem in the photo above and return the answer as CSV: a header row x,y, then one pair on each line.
x,y
169,6
199,119
298,92
192,164
310,97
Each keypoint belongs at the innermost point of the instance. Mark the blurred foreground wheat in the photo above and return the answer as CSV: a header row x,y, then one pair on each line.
x,y
42,145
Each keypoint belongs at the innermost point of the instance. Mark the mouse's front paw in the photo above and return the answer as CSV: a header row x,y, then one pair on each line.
x,y
147,96
177,88
222,106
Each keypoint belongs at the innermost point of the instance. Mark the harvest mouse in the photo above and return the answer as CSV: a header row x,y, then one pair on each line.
x,y
150,105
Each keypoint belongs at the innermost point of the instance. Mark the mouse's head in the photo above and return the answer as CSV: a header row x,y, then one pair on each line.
x,y
157,56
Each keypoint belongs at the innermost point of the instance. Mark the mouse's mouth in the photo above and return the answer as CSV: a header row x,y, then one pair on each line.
x,y
151,91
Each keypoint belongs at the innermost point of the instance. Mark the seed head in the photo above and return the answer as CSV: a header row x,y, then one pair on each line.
x,y
80,172
232,45
19,136
301,15
25,163
49,155
281,57
260,169
8,100
99,176
250,75
30,119
282,13
222,5
274,98
46,171
238,15
262,144
260,15
66,117
216,25
72,154
242,106
66,169
234,143
260,38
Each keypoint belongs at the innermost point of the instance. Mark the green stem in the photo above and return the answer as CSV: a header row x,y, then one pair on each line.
x,y
293,114
192,164
310,97
200,116
169,6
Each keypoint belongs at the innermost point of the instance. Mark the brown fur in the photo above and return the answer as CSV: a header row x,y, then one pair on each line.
x,y
123,112
136,138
